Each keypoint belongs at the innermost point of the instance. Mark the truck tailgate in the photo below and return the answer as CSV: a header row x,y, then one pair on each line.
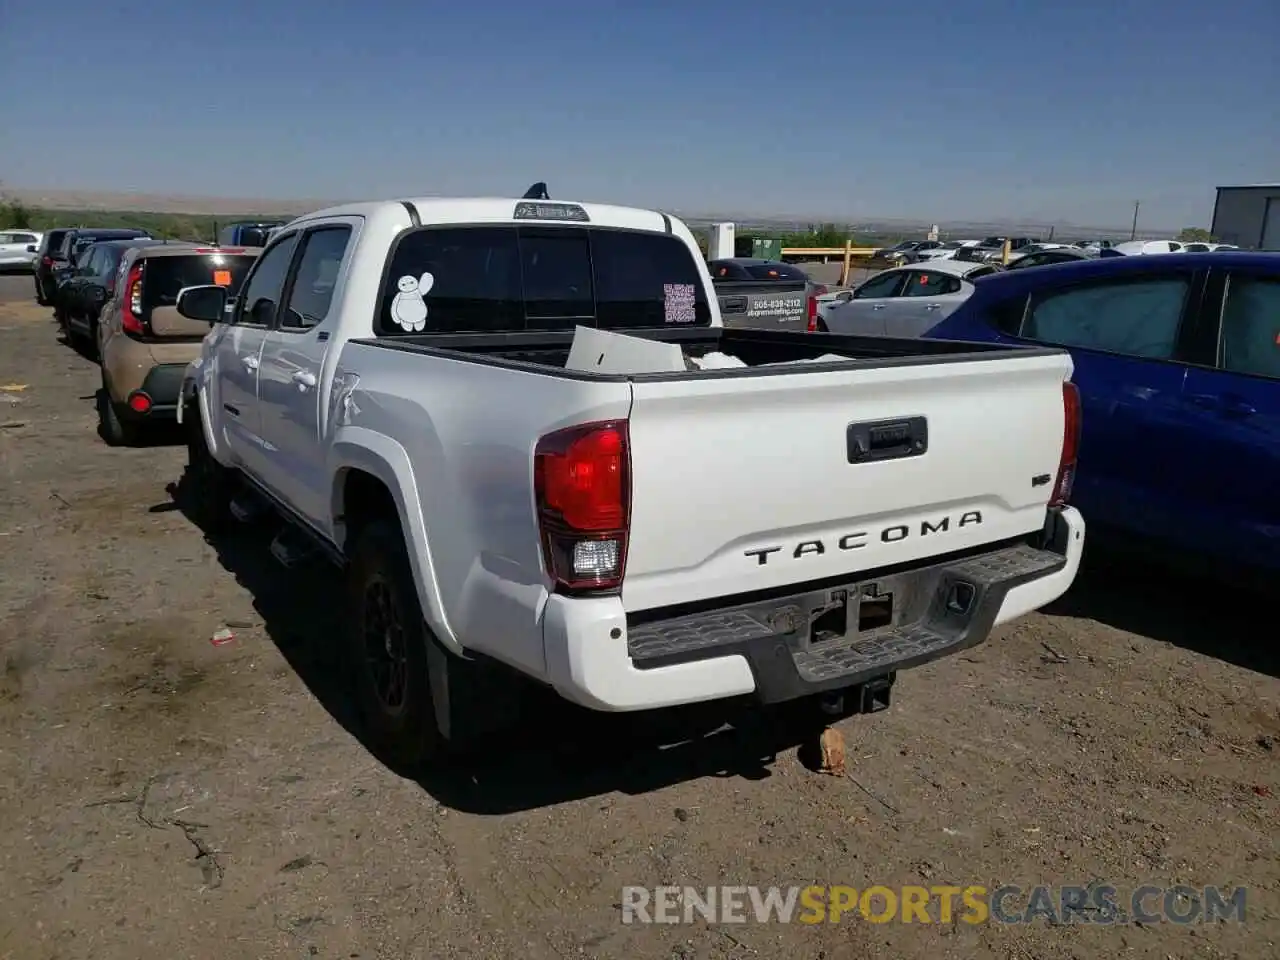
x,y
777,306
751,483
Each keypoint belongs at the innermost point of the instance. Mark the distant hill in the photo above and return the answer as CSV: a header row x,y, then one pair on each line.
x,y
126,202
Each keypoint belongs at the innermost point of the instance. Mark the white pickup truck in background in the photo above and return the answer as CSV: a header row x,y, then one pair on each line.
x,y
393,382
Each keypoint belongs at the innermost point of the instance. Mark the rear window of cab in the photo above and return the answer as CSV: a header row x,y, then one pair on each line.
x,y
501,279
164,277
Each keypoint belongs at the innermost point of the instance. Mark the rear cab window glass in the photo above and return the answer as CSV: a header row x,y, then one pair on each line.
x,y
506,278
1251,327
775,271
164,277
1137,318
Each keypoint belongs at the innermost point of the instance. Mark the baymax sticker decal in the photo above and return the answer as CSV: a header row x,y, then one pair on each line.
x,y
678,303
408,308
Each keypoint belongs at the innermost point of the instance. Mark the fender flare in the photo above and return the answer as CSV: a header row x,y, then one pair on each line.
x,y
359,448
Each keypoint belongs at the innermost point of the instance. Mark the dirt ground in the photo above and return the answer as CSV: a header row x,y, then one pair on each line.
x,y
167,797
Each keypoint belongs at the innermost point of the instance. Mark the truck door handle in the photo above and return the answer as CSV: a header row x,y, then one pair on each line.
x,y
304,378
933,306
250,362
877,306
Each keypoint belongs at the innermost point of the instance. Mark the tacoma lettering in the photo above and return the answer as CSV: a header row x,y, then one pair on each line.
x,y
858,539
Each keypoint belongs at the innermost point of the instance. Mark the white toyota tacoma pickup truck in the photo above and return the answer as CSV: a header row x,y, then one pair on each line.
x,y
392,381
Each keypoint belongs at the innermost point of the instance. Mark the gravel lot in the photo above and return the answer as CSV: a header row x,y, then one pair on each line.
x,y
167,797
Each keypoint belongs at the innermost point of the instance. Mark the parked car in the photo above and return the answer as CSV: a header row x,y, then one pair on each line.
x,y
1131,248
144,344
46,261
631,540
73,242
765,293
18,249
1198,247
87,288
248,233
1043,258
943,251
905,301
1178,362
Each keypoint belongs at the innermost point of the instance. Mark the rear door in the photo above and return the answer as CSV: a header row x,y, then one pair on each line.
x,y
928,297
1235,402
745,483
864,313
1131,338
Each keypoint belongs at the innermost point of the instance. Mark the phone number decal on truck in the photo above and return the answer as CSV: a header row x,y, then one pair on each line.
x,y
776,308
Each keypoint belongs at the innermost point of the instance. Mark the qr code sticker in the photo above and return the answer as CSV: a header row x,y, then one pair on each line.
x,y
678,303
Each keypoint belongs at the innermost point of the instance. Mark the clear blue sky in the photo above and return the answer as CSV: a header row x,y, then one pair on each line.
x,y
1038,109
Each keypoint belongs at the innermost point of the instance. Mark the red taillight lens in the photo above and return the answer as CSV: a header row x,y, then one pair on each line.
x,y
582,486
139,402
812,325
131,302
47,260
1070,444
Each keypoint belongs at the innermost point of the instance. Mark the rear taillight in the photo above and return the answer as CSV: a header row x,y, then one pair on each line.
x,y
1070,444
812,325
582,487
131,302
47,260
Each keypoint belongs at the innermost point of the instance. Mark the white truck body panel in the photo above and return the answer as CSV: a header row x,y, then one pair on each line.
x,y
706,490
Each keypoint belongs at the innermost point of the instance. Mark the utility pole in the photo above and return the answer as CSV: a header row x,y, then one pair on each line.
x,y
1133,233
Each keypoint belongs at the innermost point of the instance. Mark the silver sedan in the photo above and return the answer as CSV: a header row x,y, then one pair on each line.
x,y
904,301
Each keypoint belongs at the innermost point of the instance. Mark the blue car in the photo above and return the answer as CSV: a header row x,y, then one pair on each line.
x,y
1177,358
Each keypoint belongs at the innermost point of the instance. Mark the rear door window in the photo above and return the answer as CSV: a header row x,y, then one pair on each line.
x,y
929,284
1251,327
164,277
502,279
1133,317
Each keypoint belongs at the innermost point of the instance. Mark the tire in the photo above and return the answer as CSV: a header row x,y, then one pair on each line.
x,y
387,648
209,485
115,430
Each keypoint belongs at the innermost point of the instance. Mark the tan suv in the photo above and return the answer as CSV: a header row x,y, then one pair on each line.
x,y
143,343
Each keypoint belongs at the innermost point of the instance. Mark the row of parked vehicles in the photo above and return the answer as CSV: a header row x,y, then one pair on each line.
x,y
1025,252
541,458
113,292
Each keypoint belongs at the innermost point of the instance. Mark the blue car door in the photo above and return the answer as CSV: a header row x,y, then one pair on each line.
x,y
1129,335
1235,401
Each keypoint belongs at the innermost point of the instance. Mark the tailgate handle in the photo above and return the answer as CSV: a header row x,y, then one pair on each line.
x,y
733,304
887,439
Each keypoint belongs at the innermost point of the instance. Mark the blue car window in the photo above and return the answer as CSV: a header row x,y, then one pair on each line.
x,y
1135,318
1251,327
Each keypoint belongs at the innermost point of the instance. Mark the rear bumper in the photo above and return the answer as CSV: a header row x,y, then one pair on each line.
x,y
767,648
163,385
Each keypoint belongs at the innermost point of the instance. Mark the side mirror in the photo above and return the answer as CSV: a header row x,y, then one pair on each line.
x,y
31,248
845,296
204,303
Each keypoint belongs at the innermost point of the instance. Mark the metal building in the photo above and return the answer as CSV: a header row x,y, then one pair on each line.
x,y
1248,216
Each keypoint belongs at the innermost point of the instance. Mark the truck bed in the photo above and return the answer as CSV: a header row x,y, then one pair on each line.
x,y
547,351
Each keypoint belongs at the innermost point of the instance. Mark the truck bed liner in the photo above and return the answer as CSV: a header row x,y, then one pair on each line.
x,y
547,351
